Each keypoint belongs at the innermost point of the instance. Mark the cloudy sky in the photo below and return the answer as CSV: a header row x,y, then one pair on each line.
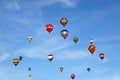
x,y
96,19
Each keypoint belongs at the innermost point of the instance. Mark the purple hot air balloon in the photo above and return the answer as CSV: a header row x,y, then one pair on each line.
x,y
64,33
73,76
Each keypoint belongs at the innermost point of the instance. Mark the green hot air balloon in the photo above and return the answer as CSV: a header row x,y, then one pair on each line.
x,y
75,39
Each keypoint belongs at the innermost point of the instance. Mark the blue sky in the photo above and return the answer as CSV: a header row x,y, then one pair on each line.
x,y
96,19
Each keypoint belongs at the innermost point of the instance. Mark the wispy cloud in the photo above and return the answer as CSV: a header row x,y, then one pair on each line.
x,y
12,5
107,38
4,56
71,54
101,70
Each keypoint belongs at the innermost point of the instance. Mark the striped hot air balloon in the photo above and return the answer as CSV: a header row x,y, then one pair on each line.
x,y
15,61
92,49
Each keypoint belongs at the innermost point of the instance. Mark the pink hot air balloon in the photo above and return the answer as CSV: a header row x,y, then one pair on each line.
x,y
72,76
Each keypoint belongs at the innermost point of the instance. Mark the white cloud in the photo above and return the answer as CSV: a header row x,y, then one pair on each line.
x,y
101,70
116,78
107,38
12,5
70,3
4,56
71,55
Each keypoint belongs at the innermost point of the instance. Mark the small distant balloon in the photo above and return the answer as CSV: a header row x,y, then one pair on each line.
x,y
72,76
49,27
50,57
29,69
92,49
30,75
61,69
20,58
101,55
29,38
88,69
63,21
75,39
91,41
64,33
15,61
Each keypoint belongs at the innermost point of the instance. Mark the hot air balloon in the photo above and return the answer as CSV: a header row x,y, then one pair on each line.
x,y
72,76
29,38
50,57
88,69
15,61
101,55
64,33
63,21
30,75
29,69
92,48
61,69
49,27
20,58
75,39
91,41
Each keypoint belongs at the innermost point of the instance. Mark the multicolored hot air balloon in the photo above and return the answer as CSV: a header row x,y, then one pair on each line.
x,y
101,55
20,58
92,49
63,21
91,41
29,38
64,33
72,76
75,39
50,57
15,61
88,69
49,27
61,69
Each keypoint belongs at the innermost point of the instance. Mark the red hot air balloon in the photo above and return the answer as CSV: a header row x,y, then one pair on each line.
x,y
92,48
101,55
72,76
49,27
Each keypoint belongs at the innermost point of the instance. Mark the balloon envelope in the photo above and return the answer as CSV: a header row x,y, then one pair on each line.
x,y
15,61
50,57
72,76
92,48
101,55
29,69
88,69
29,38
75,39
49,27
20,58
91,41
64,33
61,69
63,21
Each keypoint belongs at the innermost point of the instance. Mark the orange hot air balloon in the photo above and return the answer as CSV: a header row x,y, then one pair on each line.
x,y
92,48
15,61
101,55
63,21
61,69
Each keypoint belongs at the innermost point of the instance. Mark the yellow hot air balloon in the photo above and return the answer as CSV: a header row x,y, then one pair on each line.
x,y
15,61
61,69
30,75
92,48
